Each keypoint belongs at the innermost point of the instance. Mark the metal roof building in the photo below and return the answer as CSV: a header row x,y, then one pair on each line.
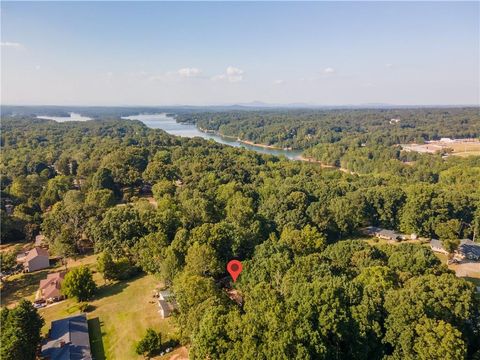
x,y
68,340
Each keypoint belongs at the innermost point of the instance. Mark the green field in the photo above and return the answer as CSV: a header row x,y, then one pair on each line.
x,y
119,316
121,313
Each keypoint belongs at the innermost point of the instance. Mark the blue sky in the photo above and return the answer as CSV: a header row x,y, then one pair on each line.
x,y
323,53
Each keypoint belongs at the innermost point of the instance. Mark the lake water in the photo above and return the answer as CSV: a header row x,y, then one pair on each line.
x,y
72,117
171,126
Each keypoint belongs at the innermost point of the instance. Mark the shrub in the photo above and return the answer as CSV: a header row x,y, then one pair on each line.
x,y
84,307
150,344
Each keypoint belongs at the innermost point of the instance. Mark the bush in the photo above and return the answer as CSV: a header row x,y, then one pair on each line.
x,y
150,345
85,307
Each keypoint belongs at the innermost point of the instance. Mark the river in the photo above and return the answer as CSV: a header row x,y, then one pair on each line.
x,y
171,126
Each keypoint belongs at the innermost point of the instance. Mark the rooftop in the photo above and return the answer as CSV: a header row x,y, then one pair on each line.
x,y
68,339
36,251
51,286
469,246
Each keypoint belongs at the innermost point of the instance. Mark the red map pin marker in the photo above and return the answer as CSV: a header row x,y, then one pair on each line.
x,y
234,268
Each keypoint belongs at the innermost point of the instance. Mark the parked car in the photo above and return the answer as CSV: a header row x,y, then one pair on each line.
x,y
39,304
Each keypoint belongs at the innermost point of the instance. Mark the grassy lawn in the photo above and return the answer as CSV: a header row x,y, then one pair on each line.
x,y
377,241
121,314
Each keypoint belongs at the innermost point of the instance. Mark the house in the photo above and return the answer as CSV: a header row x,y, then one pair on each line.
x,y
469,250
166,303
436,245
383,233
388,235
68,340
50,289
447,140
35,259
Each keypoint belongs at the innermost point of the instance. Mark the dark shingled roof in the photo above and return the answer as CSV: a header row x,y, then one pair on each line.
x,y
68,339
469,247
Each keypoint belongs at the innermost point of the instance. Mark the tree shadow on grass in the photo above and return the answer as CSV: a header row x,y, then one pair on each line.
x,y
96,339
114,288
111,289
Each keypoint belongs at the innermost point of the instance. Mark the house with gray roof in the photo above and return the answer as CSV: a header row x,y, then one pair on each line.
x,y
385,234
469,250
68,340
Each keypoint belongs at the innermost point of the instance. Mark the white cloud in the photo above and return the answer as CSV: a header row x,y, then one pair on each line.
x,y
188,72
37,67
329,70
279,82
9,44
232,74
388,66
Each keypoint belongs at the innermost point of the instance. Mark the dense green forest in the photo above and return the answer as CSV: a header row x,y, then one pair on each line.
x,y
360,140
303,128
307,292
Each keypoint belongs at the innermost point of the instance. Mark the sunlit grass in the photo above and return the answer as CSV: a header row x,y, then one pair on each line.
x,y
123,311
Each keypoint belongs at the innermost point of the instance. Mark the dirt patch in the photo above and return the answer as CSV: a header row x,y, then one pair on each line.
x,y
466,269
